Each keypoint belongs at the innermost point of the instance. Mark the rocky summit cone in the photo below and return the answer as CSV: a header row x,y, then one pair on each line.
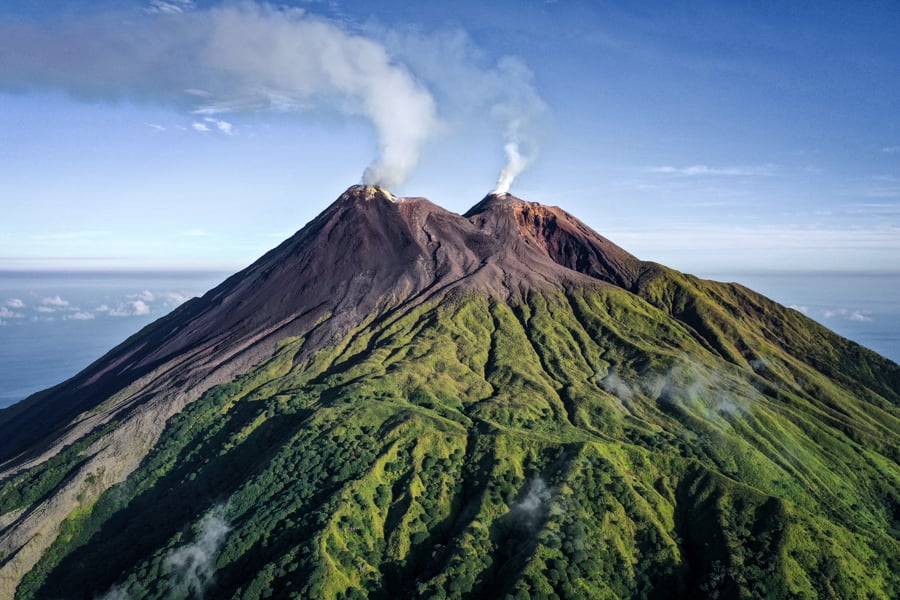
x,y
403,402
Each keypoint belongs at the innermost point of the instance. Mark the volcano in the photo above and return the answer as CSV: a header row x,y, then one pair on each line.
x,y
400,401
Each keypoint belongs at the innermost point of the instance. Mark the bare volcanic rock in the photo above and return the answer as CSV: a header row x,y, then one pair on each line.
x,y
367,252
565,239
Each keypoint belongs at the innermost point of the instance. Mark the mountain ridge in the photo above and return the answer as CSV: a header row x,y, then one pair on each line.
x,y
525,323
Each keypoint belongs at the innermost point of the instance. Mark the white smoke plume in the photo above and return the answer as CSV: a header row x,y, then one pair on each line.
x,y
458,74
236,58
192,565
515,164
521,109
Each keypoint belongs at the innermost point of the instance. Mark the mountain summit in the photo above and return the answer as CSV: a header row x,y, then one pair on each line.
x,y
400,401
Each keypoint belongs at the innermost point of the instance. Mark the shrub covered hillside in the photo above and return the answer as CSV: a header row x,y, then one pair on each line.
x,y
524,412
579,445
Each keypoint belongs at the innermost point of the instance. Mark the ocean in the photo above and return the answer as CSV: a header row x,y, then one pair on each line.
x,y
52,325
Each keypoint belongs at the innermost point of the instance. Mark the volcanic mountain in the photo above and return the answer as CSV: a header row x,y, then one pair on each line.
x,y
399,401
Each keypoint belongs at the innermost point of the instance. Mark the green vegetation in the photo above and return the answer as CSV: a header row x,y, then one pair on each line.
x,y
591,444
31,486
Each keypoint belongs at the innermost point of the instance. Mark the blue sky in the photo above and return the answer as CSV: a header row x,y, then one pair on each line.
x,y
719,136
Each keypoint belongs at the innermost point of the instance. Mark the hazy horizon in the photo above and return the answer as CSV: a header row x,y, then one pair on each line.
x,y
198,134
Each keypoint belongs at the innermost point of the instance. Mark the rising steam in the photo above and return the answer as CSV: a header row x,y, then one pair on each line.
x,y
455,70
242,58
515,164
191,566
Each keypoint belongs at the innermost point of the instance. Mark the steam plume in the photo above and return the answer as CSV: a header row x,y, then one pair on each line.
x,y
535,504
515,163
521,109
192,565
455,70
242,58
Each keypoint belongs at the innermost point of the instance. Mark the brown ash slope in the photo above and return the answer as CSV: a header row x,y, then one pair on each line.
x,y
366,253
566,346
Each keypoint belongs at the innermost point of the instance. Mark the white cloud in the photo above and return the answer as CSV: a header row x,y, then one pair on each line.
x,y
155,126
145,296
103,308
200,127
800,308
731,171
45,309
891,149
8,314
456,71
79,316
134,308
140,308
844,313
175,298
55,301
223,126
15,303
249,57
170,7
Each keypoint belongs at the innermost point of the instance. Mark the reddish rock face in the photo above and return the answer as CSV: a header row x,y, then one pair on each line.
x,y
565,239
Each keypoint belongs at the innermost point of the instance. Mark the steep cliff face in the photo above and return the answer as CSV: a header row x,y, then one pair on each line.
x,y
400,401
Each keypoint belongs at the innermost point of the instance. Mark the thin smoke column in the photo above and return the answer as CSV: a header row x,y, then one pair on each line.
x,y
241,58
515,164
522,109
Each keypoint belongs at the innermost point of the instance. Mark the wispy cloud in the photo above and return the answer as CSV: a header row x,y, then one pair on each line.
x,y
845,313
55,301
5,313
174,298
45,309
144,296
79,316
713,237
169,7
155,126
247,56
880,187
706,170
200,127
885,209
143,303
223,126
15,303
891,149
133,308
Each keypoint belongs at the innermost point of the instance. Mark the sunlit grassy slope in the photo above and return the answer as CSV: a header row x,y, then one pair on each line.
x,y
688,439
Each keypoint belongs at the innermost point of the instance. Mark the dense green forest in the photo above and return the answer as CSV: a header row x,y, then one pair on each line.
x,y
580,444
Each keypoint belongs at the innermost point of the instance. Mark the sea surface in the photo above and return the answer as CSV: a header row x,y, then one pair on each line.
x,y
53,325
